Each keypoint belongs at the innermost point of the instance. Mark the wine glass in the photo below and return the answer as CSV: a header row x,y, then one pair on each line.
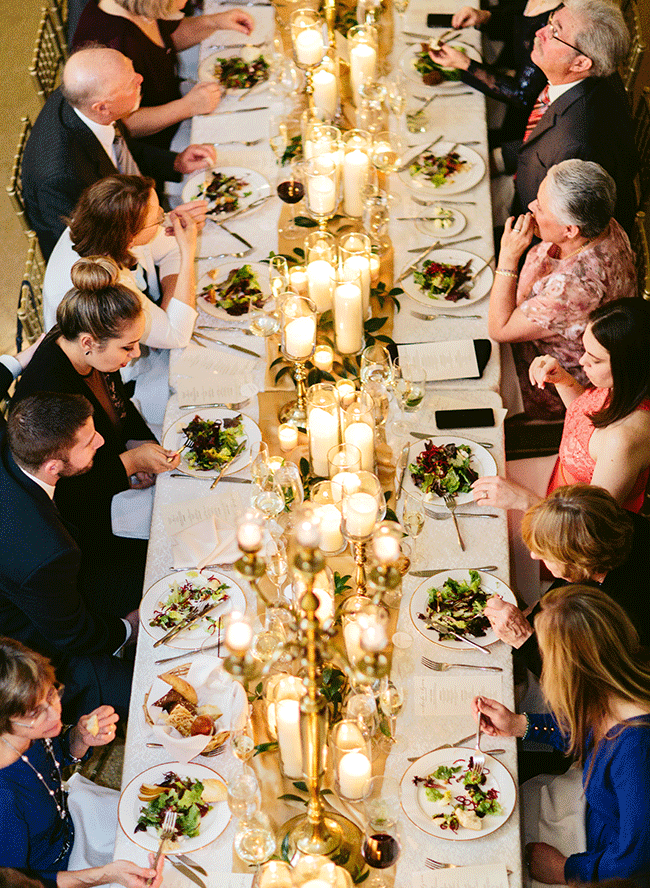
x,y
409,381
413,516
401,6
381,847
288,477
259,462
244,796
362,708
376,364
291,189
392,697
254,839
278,275
242,741
269,497
276,562
278,135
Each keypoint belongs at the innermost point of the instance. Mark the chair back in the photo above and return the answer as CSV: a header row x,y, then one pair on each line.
x,y
629,68
642,140
15,186
49,55
641,247
59,10
30,302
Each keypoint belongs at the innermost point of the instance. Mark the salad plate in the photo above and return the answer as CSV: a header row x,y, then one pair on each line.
x,y
421,810
218,275
481,461
211,825
174,439
256,186
450,223
408,59
158,595
210,71
467,177
479,288
489,585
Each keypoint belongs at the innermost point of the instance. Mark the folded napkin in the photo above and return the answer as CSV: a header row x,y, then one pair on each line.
x,y
211,541
213,687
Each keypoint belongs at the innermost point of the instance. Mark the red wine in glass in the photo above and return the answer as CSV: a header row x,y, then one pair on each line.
x,y
291,191
380,850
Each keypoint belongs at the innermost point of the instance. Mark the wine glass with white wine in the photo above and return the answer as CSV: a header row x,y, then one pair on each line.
x,y
242,741
401,6
413,517
392,697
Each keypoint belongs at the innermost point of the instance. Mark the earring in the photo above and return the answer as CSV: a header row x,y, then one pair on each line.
x,y
87,353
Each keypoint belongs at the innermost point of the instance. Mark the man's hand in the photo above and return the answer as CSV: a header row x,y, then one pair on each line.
x,y
507,621
468,17
133,619
195,157
545,863
235,20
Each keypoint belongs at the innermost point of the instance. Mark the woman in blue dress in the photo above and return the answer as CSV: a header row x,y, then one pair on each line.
x,y
598,690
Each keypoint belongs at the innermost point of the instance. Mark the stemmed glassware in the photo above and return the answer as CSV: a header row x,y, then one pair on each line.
x,y
254,839
401,6
413,518
381,845
278,135
264,319
291,190
392,696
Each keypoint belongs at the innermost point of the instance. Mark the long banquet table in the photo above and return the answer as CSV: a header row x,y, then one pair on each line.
x,y
425,721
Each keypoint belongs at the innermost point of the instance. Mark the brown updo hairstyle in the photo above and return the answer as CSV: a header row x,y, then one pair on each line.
x,y
98,304
25,678
108,215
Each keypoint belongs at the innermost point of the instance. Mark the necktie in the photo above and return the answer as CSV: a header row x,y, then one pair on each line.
x,y
125,162
539,109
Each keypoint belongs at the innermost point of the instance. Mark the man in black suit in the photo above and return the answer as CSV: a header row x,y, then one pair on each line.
x,y
72,143
49,436
587,116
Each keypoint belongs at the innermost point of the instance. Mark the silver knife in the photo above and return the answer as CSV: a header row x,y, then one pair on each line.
x,y
228,478
417,261
193,865
247,351
251,206
233,45
453,243
446,630
188,621
421,151
187,872
445,516
234,234
401,466
431,573
242,110
449,317
225,466
424,436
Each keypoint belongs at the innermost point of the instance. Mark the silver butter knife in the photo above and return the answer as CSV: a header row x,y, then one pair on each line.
x,y
445,516
446,630
228,479
431,573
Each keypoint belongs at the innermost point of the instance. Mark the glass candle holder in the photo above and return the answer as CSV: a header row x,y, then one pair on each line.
x,y
323,358
363,507
356,169
298,281
307,42
323,425
326,89
346,388
348,312
354,253
362,51
343,458
280,686
350,760
359,428
371,113
287,722
329,511
320,256
322,193
298,324
309,116
376,216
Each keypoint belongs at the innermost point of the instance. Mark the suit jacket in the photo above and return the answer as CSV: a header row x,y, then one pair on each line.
x,y
40,602
85,499
63,157
591,121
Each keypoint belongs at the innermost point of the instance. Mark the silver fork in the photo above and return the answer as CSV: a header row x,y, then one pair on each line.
x,y
443,667
239,142
167,833
478,757
238,255
450,502
217,751
429,203
432,864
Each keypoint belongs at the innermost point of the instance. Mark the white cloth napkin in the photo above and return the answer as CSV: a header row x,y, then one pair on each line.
x,y
131,513
209,542
93,809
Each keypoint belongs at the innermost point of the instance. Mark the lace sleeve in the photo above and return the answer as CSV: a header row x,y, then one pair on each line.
x,y
519,91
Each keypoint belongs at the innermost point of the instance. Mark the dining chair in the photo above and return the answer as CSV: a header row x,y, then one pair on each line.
x,y
641,247
49,55
642,140
59,10
30,323
639,40
15,186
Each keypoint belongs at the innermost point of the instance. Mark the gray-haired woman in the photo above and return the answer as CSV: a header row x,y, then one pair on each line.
x,y
583,261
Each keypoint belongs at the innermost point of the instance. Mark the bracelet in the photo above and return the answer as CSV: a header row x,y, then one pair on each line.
x,y
526,732
507,273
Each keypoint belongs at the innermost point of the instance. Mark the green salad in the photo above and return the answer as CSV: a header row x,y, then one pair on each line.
x,y
211,444
458,604
443,469
432,73
438,169
464,793
440,280
234,294
183,795
237,73
185,598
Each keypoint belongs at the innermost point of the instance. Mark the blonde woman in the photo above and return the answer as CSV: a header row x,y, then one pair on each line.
x,y
151,33
598,691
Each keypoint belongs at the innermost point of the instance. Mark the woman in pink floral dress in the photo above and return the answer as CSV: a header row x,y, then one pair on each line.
x,y
583,261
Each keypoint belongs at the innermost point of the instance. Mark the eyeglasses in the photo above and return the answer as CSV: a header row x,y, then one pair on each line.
x,y
159,221
56,691
554,33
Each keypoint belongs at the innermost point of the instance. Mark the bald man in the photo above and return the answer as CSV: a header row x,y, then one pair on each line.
x,y
72,143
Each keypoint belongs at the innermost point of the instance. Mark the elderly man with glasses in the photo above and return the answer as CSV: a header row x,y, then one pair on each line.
x,y
583,111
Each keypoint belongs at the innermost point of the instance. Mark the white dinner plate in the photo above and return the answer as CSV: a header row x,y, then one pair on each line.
x,y
407,60
481,461
174,438
248,53
420,598
200,632
458,223
224,269
420,810
464,179
256,188
130,806
479,288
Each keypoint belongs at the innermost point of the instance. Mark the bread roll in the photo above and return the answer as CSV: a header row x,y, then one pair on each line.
x,y
179,684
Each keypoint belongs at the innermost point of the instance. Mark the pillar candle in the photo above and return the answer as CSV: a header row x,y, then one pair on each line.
x,y
361,264
325,91
298,281
309,47
323,358
299,336
320,275
354,773
323,430
361,435
356,165
331,538
363,59
348,318
344,482
360,514
321,195
351,637
287,719
288,437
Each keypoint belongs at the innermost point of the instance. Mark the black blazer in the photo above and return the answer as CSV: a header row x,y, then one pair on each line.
x,y
591,121
63,157
40,602
85,499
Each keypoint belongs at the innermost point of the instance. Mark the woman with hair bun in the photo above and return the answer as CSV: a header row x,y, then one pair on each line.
x,y
99,325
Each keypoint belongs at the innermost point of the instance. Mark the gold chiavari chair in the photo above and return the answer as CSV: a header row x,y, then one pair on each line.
x,y
49,55
15,186
629,68
641,247
30,302
60,17
642,139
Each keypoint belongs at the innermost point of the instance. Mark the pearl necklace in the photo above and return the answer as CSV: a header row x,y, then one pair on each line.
x,y
61,807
